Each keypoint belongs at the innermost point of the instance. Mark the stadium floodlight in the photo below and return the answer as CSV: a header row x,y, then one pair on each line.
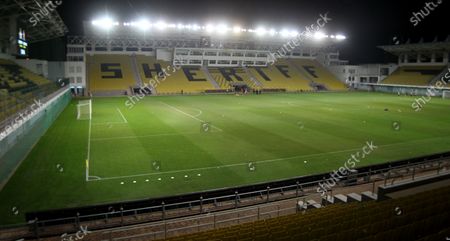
x,y
105,23
142,24
209,28
320,35
237,29
161,25
261,31
293,33
272,32
195,27
222,28
285,33
340,37
180,26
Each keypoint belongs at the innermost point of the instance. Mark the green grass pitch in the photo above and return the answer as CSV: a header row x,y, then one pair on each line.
x,y
160,148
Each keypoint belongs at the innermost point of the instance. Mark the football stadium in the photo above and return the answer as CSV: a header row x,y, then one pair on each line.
x,y
121,121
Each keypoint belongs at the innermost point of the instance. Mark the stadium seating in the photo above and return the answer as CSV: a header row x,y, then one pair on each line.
x,y
109,73
281,75
413,75
424,216
228,77
318,74
186,79
19,87
116,72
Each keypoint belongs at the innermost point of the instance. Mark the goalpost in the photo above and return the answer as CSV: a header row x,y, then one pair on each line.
x,y
446,94
84,110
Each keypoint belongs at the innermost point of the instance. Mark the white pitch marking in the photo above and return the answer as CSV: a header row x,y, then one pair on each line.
x,y
123,117
108,123
200,112
184,113
256,162
153,135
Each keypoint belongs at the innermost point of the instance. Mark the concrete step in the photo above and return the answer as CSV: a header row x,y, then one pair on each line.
x,y
327,200
339,198
313,204
368,196
353,197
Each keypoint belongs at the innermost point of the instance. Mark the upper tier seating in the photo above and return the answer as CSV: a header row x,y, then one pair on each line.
x,y
413,75
423,216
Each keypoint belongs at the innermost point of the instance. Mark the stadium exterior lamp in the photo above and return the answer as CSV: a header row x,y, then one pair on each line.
x,y
237,29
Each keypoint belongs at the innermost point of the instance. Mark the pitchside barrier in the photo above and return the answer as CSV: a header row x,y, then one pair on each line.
x,y
18,137
432,90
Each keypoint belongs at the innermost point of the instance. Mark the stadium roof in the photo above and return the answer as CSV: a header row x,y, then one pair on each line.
x,y
48,27
417,47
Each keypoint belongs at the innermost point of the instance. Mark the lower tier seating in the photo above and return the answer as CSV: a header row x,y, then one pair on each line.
x,y
424,216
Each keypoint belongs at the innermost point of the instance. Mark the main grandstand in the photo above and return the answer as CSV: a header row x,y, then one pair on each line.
x,y
153,130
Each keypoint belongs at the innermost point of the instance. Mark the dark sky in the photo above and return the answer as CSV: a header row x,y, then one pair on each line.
x,y
366,23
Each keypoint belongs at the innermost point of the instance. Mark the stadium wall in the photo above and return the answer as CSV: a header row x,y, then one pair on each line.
x,y
19,137
403,89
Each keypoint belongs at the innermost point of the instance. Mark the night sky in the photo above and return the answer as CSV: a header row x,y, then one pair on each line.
x,y
366,23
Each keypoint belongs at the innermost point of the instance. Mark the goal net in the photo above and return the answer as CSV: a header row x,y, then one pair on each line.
x,y
446,94
84,110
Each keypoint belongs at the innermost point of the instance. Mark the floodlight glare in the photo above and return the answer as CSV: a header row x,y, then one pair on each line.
x,y
237,29
340,37
209,28
143,24
272,32
105,23
195,27
320,35
161,25
293,33
285,33
261,31
222,28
